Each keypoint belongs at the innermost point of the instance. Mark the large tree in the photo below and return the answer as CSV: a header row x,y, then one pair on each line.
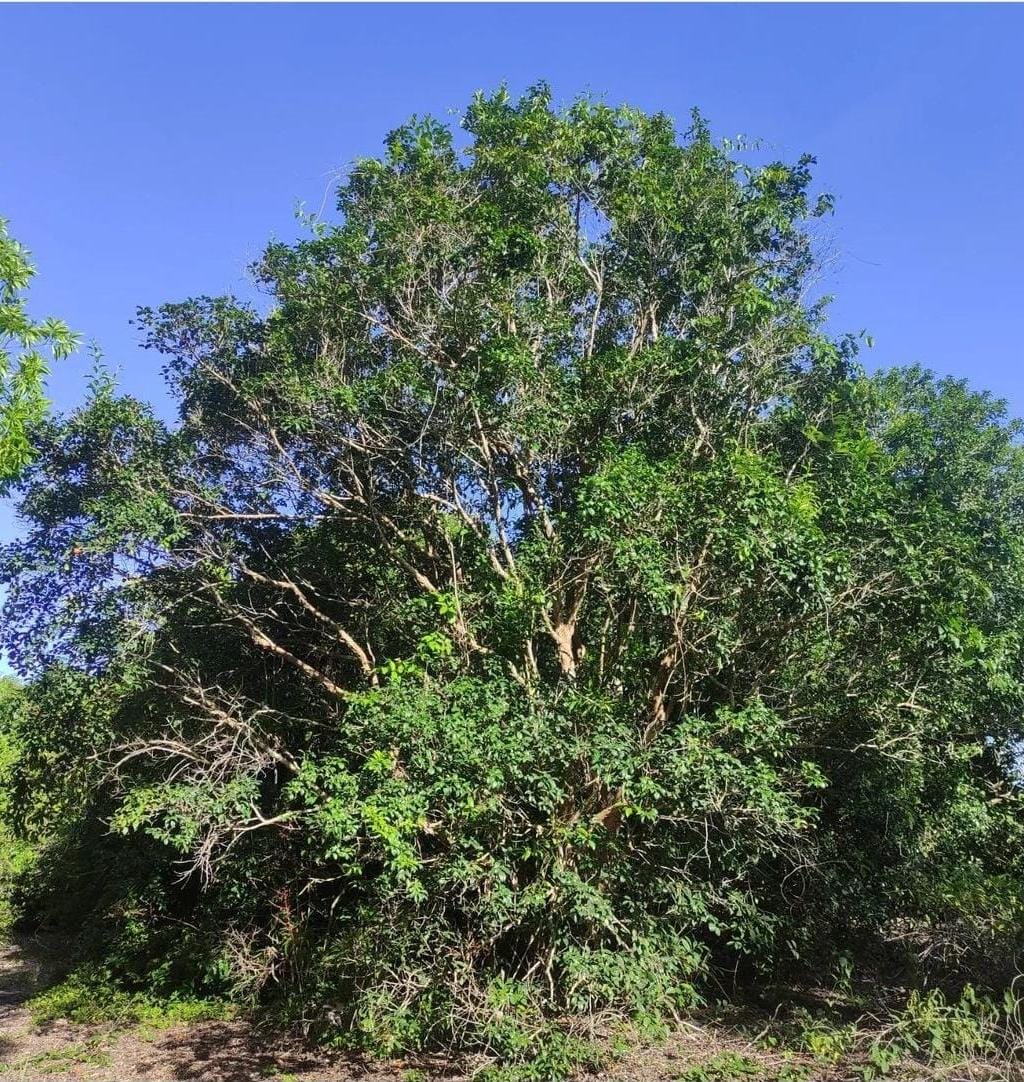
x,y
534,605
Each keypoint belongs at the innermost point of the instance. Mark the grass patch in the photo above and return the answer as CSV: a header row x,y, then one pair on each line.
x,y
724,1067
62,1060
88,998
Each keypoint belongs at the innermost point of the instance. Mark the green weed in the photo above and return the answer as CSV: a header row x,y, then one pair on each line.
x,y
62,1060
87,998
725,1067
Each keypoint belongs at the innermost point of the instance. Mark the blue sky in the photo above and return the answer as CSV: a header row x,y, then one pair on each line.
x,y
147,153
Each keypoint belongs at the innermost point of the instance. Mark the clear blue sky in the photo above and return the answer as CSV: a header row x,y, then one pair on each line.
x,y
147,153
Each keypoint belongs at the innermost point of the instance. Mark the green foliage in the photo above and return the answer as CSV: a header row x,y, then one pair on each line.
x,y
825,1040
530,613
16,854
89,997
973,1032
724,1067
934,1029
24,343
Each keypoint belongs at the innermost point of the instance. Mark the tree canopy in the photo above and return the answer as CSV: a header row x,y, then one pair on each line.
x,y
533,609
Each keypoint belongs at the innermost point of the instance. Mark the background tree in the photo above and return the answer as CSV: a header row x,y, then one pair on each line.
x,y
534,609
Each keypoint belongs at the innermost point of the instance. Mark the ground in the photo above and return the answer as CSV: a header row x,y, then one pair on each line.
x,y
207,1051
236,1051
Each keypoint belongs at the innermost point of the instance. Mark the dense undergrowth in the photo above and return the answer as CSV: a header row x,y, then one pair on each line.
x,y
534,622
842,1032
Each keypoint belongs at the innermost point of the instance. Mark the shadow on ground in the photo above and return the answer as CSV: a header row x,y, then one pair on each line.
x,y
230,1052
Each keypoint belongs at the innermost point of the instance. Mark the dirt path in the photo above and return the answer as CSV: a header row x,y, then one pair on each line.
x,y
21,974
